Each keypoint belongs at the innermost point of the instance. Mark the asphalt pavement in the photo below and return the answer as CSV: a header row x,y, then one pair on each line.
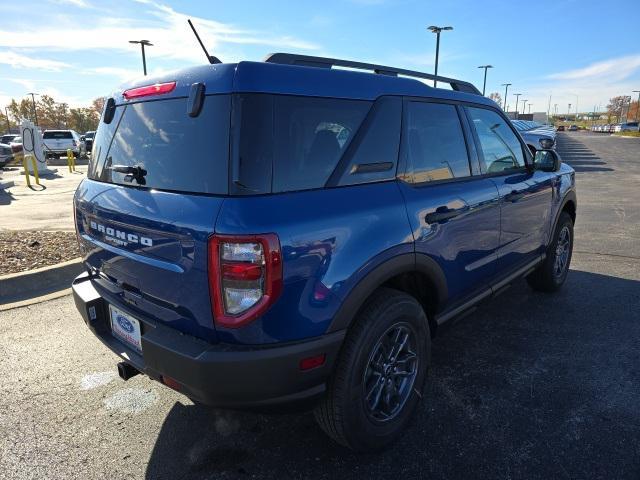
x,y
528,386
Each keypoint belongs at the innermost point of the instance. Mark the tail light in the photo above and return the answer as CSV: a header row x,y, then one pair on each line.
x,y
245,277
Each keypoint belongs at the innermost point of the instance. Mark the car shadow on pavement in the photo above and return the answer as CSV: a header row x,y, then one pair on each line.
x,y
530,385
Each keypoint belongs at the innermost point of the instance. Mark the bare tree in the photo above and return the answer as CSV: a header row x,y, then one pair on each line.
x,y
496,97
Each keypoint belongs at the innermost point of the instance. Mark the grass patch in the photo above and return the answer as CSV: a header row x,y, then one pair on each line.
x,y
627,134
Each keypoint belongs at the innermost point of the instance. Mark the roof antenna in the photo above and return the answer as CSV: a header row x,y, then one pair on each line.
x,y
212,60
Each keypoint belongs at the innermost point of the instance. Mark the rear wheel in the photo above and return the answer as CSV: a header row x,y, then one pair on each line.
x,y
552,273
380,373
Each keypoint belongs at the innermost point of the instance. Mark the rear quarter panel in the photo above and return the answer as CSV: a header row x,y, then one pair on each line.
x,y
330,240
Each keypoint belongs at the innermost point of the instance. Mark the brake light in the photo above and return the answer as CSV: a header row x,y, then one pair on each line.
x,y
245,277
149,90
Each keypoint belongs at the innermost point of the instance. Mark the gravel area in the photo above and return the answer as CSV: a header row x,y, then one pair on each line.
x,y
26,250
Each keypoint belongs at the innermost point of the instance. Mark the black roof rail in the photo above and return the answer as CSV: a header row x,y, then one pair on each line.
x,y
324,62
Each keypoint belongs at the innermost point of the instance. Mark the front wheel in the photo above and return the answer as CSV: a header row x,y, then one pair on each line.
x,y
379,377
552,273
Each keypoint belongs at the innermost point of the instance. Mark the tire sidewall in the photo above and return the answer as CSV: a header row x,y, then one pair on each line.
x,y
563,221
360,428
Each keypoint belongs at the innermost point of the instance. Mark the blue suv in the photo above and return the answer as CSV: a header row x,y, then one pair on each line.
x,y
287,232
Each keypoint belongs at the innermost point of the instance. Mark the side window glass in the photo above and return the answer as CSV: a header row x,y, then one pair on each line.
x,y
501,149
374,151
434,142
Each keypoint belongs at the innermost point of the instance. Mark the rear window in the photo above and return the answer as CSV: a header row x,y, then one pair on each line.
x,y
57,135
178,152
288,143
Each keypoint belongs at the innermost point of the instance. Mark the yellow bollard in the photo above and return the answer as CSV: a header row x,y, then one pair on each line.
x,y
73,161
69,156
26,170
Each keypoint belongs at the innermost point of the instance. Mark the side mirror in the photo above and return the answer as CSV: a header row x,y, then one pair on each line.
x,y
546,160
82,138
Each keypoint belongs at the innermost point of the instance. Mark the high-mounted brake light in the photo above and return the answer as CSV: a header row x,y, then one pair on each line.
x,y
245,277
149,90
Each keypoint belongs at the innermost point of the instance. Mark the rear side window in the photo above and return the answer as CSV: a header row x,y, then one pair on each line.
x,y
288,143
178,152
434,142
57,135
501,150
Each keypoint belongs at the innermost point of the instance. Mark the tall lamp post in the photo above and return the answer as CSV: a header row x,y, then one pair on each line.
x,y
437,31
568,111
484,85
143,43
33,103
524,105
506,89
6,116
530,107
517,95
637,105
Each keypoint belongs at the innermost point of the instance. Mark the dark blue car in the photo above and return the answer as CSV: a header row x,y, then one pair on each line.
x,y
283,232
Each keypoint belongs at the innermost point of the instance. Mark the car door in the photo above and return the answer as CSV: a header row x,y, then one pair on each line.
x,y
454,214
525,194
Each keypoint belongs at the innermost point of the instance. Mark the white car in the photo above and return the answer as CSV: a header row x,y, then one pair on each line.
x,y
57,142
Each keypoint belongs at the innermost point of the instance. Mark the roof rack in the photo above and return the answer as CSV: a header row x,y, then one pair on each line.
x,y
324,62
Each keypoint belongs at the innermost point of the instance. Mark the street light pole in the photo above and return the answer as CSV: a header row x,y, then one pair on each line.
x,y
484,85
437,31
143,43
530,108
524,106
637,105
6,116
568,111
33,103
506,89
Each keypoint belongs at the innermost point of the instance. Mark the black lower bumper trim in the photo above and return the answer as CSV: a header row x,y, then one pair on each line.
x,y
222,375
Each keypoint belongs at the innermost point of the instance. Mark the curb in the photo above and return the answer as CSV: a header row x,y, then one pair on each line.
x,y
17,287
6,184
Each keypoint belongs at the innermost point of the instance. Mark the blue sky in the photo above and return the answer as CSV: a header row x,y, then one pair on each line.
x,y
77,50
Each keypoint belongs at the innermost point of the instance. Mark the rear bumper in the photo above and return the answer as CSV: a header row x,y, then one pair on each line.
x,y
221,375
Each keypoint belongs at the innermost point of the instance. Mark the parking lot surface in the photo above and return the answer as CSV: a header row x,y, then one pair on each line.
x,y
528,386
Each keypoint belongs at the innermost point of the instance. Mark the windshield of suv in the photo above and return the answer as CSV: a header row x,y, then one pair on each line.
x,y
176,151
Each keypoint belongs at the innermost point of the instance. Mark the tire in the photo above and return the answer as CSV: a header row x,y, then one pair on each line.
x,y
343,412
552,273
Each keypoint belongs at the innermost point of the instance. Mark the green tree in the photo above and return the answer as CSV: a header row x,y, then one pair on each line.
x,y
83,119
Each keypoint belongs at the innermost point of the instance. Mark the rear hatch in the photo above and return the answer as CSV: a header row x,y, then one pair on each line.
x,y
156,181
58,140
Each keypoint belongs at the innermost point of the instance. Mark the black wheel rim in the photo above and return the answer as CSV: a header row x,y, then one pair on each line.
x,y
563,248
390,373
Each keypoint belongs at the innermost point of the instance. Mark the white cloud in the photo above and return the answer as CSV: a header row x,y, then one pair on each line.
x,y
614,69
75,3
17,60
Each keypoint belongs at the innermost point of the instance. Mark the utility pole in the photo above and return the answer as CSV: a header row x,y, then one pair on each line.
x,y
143,43
437,31
6,116
506,89
517,98
33,103
484,85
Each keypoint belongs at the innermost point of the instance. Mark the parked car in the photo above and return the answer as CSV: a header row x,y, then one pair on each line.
x,y
573,128
627,127
560,128
274,233
8,138
536,135
57,142
6,155
87,138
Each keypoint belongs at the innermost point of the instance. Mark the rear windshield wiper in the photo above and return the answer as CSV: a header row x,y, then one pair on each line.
x,y
135,172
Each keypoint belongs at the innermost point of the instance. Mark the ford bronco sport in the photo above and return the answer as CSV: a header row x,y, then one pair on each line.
x,y
281,232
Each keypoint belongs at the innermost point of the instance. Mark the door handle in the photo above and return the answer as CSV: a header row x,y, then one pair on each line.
x,y
514,196
441,215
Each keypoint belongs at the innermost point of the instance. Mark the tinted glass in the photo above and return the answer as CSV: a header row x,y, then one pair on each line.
x,y
435,145
179,152
374,152
57,135
291,142
501,150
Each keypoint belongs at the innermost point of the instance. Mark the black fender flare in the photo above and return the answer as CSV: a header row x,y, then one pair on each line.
x,y
570,196
405,263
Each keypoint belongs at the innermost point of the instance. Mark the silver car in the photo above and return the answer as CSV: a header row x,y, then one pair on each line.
x,y
57,142
536,135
